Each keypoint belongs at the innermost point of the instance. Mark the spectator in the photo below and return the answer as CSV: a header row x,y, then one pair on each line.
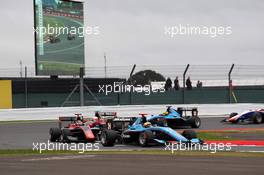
x,y
199,84
176,84
189,83
168,84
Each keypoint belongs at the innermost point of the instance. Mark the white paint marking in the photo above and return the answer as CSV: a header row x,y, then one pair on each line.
x,y
251,151
59,158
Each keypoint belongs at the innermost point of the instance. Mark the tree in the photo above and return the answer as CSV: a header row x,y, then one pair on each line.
x,y
145,77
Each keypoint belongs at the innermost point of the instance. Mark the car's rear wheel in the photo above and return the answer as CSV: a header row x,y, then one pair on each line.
x,y
108,137
189,134
145,138
55,134
64,135
257,118
195,122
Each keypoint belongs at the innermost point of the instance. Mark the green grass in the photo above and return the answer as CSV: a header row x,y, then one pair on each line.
x,y
28,152
214,136
52,22
55,68
224,135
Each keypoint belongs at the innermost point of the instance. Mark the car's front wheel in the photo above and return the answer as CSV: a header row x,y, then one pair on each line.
x,y
145,138
108,137
257,118
55,134
195,122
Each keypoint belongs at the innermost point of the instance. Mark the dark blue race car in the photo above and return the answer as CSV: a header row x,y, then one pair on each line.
x,y
140,130
178,118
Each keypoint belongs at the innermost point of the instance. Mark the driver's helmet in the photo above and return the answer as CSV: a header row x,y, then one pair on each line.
x,y
97,114
147,124
79,120
165,113
168,109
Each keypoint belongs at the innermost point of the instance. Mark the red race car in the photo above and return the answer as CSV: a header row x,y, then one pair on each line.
x,y
79,129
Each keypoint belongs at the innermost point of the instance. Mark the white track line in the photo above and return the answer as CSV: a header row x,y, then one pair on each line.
x,y
58,158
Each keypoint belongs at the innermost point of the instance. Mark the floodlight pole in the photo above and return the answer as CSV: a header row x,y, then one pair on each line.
x,y
105,65
183,89
230,83
130,83
21,69
81,87
26,89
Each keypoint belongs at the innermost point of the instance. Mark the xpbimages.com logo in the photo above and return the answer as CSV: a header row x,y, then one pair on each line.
x,y
120,87
58,146
212,147
62,30
189,30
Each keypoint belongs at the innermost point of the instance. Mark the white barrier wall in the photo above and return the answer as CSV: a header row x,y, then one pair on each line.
x,y
205,110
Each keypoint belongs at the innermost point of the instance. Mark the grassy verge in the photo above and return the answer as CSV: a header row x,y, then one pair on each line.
x,y
226,135
134,152
214,136
55,68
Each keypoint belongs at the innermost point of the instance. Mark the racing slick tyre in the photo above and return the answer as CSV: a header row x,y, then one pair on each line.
x,y
145,138
257,118
64,135
189,134
195,122
108,137
55,134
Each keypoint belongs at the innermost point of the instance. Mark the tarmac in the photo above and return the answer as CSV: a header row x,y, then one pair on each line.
x,y
23,135
130,165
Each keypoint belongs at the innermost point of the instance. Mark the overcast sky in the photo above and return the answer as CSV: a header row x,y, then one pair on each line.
x,y
132,32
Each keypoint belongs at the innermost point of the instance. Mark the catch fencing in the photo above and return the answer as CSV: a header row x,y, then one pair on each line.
x,y
220,84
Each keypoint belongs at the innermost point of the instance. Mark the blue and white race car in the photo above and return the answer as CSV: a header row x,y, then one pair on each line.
x,y
141,131
178,118
255,116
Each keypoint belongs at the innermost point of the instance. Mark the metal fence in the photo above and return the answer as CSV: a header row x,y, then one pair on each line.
x,y
221,84
210,75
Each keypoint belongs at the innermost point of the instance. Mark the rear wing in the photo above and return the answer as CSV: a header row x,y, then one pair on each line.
x,y
121,123
107,114
124,119
67,119
186,110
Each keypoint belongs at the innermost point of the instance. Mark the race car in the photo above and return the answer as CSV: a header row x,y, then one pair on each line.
x,y
99,122
54,39
76,131
80,129
144,133
70,37
255,116
180,117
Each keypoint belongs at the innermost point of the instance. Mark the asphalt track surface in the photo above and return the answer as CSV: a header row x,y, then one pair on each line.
x,y
130,164
23,135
